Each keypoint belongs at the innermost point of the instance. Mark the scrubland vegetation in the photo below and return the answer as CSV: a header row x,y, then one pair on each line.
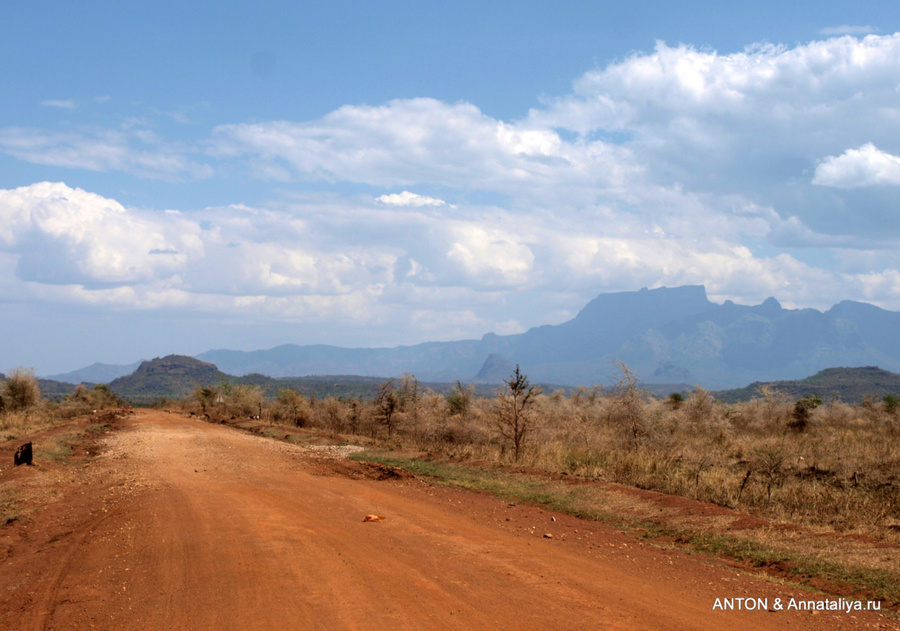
x,y
830,466
23,410
823,464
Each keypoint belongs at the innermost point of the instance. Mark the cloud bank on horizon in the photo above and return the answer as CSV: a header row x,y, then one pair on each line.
x,y
772,171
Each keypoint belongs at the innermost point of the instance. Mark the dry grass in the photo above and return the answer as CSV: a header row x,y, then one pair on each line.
x,y
39,415
23,422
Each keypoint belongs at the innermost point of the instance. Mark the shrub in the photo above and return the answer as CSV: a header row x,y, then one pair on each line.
x,y
291,408
209,397
802,409
628,409
332,412
700,407
460,399
244,400
675,400
20,390
386,405
85,400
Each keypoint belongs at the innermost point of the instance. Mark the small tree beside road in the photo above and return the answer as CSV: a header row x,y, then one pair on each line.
x,y
513,410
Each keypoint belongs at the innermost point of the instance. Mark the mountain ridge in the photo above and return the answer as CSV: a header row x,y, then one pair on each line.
x,y
177,376
665,335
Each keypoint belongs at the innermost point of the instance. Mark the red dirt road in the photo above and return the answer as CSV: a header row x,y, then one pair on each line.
x,y
187,525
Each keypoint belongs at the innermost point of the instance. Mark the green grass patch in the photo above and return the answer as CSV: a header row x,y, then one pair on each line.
x,y
879,583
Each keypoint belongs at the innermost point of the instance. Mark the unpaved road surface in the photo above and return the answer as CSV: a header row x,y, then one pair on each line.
x,y
182,524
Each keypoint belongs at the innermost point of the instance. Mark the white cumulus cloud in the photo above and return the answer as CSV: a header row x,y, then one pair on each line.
x,y
856,168
69,236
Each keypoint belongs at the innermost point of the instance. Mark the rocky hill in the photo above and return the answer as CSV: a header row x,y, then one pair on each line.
x,y
170,376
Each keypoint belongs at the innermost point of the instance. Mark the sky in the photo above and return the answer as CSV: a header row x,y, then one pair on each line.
x,y
179,177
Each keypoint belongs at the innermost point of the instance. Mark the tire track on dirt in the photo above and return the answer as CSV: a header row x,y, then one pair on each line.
x,y
49,599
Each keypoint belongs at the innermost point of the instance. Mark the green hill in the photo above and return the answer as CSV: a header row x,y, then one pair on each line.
x,y
850,385
172,376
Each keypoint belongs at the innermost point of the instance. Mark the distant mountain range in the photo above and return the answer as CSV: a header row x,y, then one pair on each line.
x,y
667,335
96,373
670,336
177,376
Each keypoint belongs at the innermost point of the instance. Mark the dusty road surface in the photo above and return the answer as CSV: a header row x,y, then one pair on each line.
x,y
182,524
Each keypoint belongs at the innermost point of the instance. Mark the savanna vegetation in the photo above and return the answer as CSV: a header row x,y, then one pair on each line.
x,y
23,410
828,465
823,464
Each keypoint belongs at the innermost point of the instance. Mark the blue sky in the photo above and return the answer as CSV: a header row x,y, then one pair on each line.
x,y
177,177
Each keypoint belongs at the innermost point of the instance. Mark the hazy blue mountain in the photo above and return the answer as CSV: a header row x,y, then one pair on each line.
x,y
666,335
569,350
494,370
96,373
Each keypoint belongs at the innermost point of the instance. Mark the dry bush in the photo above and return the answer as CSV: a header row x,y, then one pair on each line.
x,y
330,413
291,408
514,412
627,412
774,408
700,408
385,410
210,398
243,401
87,400
21,409
20,391
433,426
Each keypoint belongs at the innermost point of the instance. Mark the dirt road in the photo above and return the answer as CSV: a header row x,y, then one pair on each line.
x,y
187,525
